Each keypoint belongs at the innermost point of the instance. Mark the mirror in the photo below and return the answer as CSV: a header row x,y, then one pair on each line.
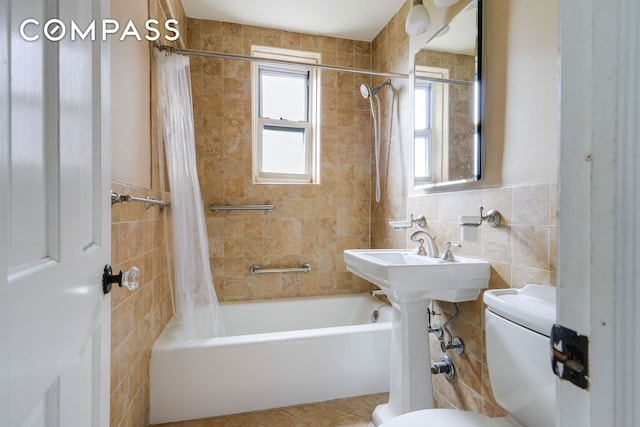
x,y
447,92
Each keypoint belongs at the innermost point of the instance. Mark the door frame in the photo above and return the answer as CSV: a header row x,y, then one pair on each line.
x,y
4,189
599,207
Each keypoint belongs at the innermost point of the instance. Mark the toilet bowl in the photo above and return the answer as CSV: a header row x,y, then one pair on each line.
x,y
517,327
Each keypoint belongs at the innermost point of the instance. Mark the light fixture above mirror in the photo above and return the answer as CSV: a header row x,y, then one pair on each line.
x,y
418,19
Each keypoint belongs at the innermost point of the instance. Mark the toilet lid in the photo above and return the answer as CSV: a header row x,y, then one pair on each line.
x,y
441,417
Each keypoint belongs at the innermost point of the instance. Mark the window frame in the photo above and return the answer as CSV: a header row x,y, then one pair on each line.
x,y
310,127
425,133
439,119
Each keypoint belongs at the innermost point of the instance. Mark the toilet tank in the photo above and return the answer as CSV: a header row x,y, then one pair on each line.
x,y
517,325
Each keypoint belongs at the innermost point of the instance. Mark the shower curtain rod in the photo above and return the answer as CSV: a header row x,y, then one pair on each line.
x,y
191,52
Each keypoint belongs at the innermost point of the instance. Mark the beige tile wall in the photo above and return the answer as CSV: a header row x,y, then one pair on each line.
x,y
137,318
460,66
390,52
311,223
521,250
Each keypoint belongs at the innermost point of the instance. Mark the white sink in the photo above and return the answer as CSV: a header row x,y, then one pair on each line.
x,y
410,281
403,275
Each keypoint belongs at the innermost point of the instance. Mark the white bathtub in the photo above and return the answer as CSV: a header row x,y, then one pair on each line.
x,y
276,353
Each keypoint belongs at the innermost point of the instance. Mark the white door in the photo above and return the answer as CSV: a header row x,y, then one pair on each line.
x,y
599,207
54,219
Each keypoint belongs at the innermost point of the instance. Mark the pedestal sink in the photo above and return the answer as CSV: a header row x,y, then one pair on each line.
x,y
411,281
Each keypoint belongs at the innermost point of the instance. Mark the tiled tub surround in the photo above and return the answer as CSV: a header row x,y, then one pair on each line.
x,y
138,238
311,223
137,318
314,222
390,52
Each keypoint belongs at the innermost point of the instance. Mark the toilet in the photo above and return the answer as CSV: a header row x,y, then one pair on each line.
x,y
517,325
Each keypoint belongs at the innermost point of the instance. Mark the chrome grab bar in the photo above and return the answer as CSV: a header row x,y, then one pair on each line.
x,y
256,269
268,208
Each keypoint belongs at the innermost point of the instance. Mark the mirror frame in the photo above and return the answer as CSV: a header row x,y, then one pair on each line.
x,y
419,42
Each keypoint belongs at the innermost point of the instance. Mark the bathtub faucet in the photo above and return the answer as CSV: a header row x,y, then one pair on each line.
x,y
432,248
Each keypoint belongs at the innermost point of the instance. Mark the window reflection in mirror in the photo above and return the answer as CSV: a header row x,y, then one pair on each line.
x,y
447,139
423,131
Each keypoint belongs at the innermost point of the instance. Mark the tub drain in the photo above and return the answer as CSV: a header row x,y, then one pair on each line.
x,y
375,315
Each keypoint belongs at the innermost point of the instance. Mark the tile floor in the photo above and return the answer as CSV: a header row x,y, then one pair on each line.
x,y
351,412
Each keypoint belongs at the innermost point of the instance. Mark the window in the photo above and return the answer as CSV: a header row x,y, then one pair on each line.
x,y
285,125
431,124
423,170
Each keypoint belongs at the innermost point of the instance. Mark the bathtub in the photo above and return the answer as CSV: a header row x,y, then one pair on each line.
x,y
276,353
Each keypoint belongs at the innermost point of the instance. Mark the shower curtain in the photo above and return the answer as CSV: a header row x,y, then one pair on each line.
x,y
196,303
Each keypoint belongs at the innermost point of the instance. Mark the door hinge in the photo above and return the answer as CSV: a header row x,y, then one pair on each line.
x,y
570,356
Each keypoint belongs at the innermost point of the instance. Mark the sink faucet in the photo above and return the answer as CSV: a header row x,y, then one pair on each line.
x,y
432,249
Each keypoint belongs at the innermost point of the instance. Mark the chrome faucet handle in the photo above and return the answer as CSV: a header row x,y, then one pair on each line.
x,y
432,248
448,255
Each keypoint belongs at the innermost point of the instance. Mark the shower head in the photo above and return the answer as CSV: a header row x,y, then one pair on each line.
x,y
366,91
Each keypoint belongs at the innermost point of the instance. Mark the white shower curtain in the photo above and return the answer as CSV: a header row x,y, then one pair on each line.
x,y
196,303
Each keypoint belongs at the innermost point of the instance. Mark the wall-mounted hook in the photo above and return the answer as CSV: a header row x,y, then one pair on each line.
x,y
469,224
493,217
421,221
